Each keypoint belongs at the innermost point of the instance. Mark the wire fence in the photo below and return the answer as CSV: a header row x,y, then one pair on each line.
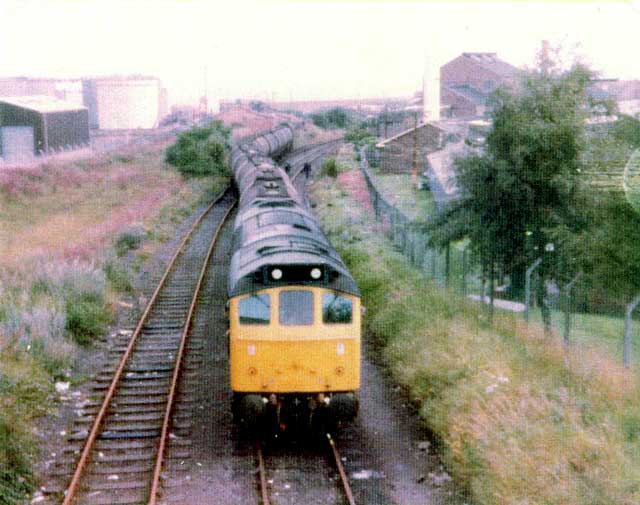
x,y
454,268
448,267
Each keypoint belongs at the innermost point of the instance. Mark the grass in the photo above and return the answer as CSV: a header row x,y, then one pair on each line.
x,y
602,333
63,229
400,191
519,419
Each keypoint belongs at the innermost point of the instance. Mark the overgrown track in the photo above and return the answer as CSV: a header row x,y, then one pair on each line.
x,y
129,434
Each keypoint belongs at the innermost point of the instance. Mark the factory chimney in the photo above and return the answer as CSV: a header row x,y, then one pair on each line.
x,y
430,90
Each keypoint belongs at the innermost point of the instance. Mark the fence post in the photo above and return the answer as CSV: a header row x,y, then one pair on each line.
x,y
567,307
447,264
464,272
627,330
527,288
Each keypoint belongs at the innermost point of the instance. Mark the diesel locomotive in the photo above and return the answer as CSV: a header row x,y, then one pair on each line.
x,y
294,308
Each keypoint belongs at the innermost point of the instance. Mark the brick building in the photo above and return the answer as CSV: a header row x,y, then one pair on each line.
x,y
467,81
396,153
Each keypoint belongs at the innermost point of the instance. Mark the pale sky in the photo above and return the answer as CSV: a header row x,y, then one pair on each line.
x,y
302,49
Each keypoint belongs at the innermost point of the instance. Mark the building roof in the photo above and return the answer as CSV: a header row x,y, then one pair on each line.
x,y
41,103
492,63
385,142
470,93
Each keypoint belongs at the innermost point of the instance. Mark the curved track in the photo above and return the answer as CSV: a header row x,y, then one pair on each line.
x,y
139,436
129,431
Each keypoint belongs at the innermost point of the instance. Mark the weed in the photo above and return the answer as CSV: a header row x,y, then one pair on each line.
x,y
87,317
118,276
128,241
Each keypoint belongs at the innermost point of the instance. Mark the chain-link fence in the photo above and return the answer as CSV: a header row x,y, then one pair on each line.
x,y
449,266
454,267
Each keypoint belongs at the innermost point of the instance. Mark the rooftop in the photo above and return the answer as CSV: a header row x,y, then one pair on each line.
x,y
41,103
383,143
492,63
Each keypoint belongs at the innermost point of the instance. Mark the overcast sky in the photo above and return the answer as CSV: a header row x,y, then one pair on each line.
x,y
302,49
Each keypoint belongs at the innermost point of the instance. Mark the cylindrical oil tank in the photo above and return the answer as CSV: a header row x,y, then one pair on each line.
x,y
127,102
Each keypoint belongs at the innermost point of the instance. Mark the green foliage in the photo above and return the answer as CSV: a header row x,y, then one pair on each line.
x,y
88,316
128,241
493,396
24,392
201,151
527,183
607,253
329,168
627,130
118,276
360,136
332,118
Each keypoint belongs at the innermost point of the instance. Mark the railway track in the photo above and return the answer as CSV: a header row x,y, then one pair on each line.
x,y
128,435
342,494
139,435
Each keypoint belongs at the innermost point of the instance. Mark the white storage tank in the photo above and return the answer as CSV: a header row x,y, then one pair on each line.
x,y
127,102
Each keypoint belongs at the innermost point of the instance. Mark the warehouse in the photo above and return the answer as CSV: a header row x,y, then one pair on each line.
x,y
34,125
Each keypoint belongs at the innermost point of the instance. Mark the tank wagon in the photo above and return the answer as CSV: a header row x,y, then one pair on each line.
x,y
294,308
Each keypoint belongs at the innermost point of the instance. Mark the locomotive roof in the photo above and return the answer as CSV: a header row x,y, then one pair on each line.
x,y
273,227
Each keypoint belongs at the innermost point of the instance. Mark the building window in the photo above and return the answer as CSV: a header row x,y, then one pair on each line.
x,y
296,308
336,309
255,309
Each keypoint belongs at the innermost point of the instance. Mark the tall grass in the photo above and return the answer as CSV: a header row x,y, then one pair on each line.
x,y
520,419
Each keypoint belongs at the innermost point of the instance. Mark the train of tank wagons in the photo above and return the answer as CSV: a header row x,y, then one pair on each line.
x,y
294,308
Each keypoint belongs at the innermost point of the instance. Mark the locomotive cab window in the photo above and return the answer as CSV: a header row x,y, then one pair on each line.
x,y
336,309
296,307
255,309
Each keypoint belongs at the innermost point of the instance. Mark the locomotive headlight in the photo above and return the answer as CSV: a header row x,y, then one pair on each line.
x,y
316,273
276,274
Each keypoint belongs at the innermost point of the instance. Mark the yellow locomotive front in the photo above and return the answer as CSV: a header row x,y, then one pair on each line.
x,y
295,339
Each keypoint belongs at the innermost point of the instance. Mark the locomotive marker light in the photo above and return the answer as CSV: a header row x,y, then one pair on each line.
x,y
316,273
276,274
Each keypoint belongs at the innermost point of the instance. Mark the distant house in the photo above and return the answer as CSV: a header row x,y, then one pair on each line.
x,y
33,125
467,81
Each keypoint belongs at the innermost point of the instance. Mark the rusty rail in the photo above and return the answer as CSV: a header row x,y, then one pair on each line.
x,y
72,489
176,371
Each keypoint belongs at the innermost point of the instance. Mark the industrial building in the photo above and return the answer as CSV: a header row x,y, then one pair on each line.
x,y
34,125
467,81
69,90
116,103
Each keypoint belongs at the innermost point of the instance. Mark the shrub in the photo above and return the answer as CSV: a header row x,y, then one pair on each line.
x,y
128,240
87,317
201,151
329,168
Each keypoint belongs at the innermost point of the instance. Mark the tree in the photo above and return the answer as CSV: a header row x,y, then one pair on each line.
x,y
201,150
528,181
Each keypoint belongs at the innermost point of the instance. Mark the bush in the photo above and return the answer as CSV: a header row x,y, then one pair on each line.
x,y
329,168
360,136
128,240
201,151
332,118
88,316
